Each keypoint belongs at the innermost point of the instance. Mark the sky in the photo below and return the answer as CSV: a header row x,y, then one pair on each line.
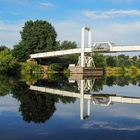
x,y
117,21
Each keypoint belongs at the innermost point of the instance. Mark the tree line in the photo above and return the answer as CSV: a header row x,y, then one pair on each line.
x,y
116,61
40,36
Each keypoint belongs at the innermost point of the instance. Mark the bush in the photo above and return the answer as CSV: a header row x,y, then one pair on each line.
x,y
56,67
8,63
30,68
133,69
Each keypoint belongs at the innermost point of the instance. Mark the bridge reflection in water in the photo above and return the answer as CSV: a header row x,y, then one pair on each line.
x,y
85,93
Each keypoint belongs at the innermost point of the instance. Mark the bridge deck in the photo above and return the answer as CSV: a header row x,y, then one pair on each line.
x,y
125,48
59,53
87,50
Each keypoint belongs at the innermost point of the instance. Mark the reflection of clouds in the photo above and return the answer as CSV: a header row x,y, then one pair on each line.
x,y
118,110
67,110
8,104
110,126
129,111
123,91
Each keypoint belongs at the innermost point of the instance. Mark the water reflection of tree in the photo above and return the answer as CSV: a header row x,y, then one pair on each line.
x,y
6,84
122,81
35,106
112,80
98,85
61,83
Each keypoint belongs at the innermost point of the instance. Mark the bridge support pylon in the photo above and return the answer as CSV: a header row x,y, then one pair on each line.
x,y
85,63
82,64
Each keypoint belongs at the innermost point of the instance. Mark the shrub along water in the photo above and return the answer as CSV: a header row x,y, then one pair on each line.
x,y
8,64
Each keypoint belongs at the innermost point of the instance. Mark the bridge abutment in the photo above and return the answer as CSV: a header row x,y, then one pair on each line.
x,y
87,71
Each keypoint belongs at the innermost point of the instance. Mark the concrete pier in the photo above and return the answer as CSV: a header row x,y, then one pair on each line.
x,y
87,71
83,77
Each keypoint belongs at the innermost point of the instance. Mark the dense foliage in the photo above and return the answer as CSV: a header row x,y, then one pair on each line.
x,y
8,63
116,61
62,61
68,45
36,36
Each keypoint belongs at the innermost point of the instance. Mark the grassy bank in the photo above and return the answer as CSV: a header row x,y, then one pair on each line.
x,y
118,71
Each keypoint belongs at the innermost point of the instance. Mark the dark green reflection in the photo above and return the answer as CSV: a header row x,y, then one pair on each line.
x,y
35,106
120,81
6,84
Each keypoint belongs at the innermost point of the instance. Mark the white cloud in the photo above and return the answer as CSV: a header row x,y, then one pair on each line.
x,y
119,33
9,33
46,4
110,14
123,34
68,30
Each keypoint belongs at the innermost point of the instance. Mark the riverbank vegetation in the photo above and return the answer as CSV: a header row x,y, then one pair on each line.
x,y
40,36
8,64
118,65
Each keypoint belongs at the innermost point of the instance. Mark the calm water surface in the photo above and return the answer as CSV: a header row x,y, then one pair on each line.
x,y
110,109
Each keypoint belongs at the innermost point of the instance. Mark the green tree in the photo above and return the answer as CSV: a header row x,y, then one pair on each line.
x,y
36,36
68,59
8,63
20,52
124,61
134,58
2,47
111,61
100,60
68,45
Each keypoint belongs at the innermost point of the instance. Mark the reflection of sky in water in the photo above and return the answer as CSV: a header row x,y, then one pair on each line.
x,y
130,90
112,122
8,105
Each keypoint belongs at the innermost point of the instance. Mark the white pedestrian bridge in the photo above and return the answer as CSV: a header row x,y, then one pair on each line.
x,y
85,52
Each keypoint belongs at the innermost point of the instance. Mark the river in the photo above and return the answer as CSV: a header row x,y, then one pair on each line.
x,y
96,108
